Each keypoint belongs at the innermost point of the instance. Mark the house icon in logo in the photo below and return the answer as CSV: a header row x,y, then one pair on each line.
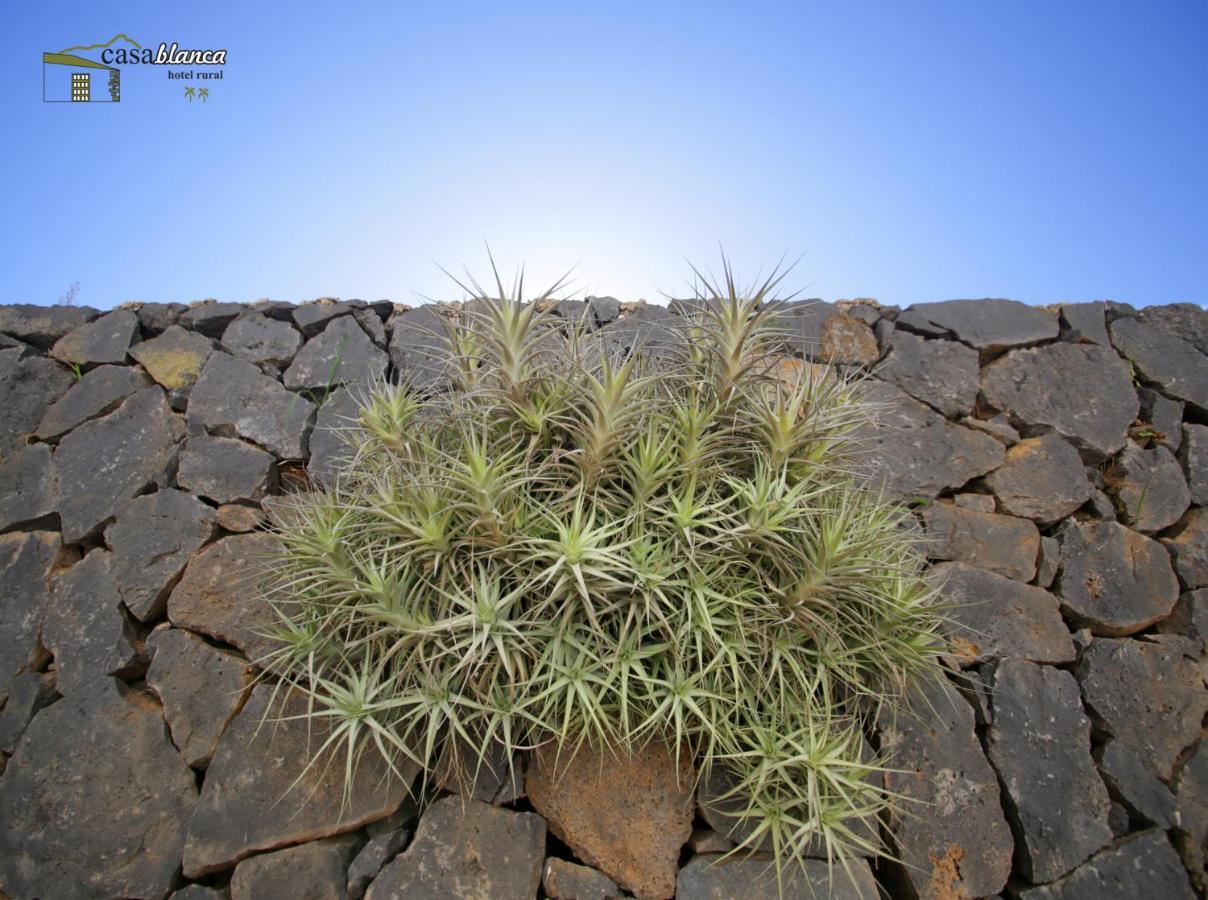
x,y
70,77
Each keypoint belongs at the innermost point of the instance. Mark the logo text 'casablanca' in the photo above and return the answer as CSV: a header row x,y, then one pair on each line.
x,y
164,56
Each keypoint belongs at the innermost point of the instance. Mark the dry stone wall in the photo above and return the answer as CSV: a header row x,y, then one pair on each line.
x,y
1057,460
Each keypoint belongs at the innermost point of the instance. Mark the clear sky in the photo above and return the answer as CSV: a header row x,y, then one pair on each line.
x,y
906,151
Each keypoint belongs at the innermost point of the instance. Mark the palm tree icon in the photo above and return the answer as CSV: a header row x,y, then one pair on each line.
x,y
189,93
203,93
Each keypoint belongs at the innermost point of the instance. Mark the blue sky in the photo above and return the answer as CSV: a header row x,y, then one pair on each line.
x,y
908,152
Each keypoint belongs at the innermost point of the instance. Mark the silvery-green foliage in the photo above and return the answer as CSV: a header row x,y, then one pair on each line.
x,y
570,543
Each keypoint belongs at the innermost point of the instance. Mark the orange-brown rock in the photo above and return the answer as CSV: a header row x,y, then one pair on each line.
x,y
626,814
845,339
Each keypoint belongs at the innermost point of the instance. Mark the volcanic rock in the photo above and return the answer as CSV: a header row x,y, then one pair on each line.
x,y
175,358
225,469
260,792
942,374
101,341
233,397
152,539
202,688
962,847
1002,544
1113,579
216,595
1084,391
262,340
464,848
994,617
99,392
109,460
627,816
1039,743
84,626
1149,694
95,801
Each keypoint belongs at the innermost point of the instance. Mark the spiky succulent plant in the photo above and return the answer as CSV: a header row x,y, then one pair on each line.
x,y
567,542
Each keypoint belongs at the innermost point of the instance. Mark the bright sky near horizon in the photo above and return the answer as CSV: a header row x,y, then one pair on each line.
x,y
925,151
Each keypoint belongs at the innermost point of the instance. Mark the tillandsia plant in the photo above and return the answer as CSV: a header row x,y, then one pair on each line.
x,y
575,544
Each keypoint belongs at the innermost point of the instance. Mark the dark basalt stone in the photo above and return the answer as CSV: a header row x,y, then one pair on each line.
x,y
372,325
26,562
1159,721
318,869
313,317
259,793
95,801
915,452
225,469
281,310
962,847
27,494
1191,819
341,354
234,398
985,324
1039,742
564,880
201,687
1150,487
41,326
1142,865
29,693
1188,546
152,539
653,330
1087,322
99,342
576,313
605,310
709,877
464,848
1083,391
493,779
210,318
1190,617
1165,417
262,340
1186,321
1048,562
1113,579
156,318
1193,454
823,332
84,626
1141,791
942,374
1003,544
994,617
200,892
372,859
1177,367
97,393
107,461
28,386
417,348
327,445
214,595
